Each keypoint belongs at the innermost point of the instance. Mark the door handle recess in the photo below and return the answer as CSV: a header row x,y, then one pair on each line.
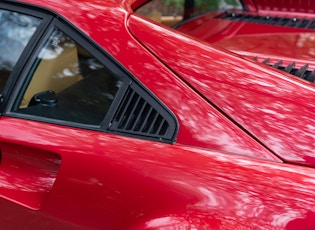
x,y
27,174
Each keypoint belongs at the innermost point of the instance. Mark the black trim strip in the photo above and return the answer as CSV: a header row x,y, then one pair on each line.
x,y
303,72
270,20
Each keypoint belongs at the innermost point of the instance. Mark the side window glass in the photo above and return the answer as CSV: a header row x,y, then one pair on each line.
x,y
15,32
67,83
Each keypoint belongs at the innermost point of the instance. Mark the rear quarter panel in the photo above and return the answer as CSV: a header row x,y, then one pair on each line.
x,y
112,182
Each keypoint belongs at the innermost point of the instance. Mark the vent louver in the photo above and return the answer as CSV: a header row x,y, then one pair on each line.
x,y
138,115
302,72
271,20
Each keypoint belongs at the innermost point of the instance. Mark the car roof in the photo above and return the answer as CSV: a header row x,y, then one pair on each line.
x,y
93,17
82,11
128,5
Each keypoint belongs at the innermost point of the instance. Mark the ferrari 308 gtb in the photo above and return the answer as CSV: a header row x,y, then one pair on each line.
x,y
136,114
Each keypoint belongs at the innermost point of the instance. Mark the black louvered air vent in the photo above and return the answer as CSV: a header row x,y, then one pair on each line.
x,y
138,115
302,72
271,20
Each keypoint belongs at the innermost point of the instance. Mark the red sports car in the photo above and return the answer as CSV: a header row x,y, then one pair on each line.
x,y
113,119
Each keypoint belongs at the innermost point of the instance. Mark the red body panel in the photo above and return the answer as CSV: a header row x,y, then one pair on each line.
x,y
122,183
304,6
281,6
97,180
195,116
255,40
262,101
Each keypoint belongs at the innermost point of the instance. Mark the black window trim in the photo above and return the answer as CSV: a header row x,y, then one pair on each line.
x,y
108,61
86,44
29,49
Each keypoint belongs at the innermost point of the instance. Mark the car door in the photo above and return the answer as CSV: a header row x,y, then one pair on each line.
x,y
19,29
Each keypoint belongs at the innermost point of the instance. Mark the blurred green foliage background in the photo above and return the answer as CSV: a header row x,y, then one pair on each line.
x,y
176,7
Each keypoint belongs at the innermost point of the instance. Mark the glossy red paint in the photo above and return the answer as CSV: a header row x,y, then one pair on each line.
x,y
255,40
303,6
105,181
250,5
133,4
34,174
281,6
262,101
196,129
124,183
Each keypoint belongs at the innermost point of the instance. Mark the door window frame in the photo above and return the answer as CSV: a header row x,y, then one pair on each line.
x,y
51,20
28,50
86,44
